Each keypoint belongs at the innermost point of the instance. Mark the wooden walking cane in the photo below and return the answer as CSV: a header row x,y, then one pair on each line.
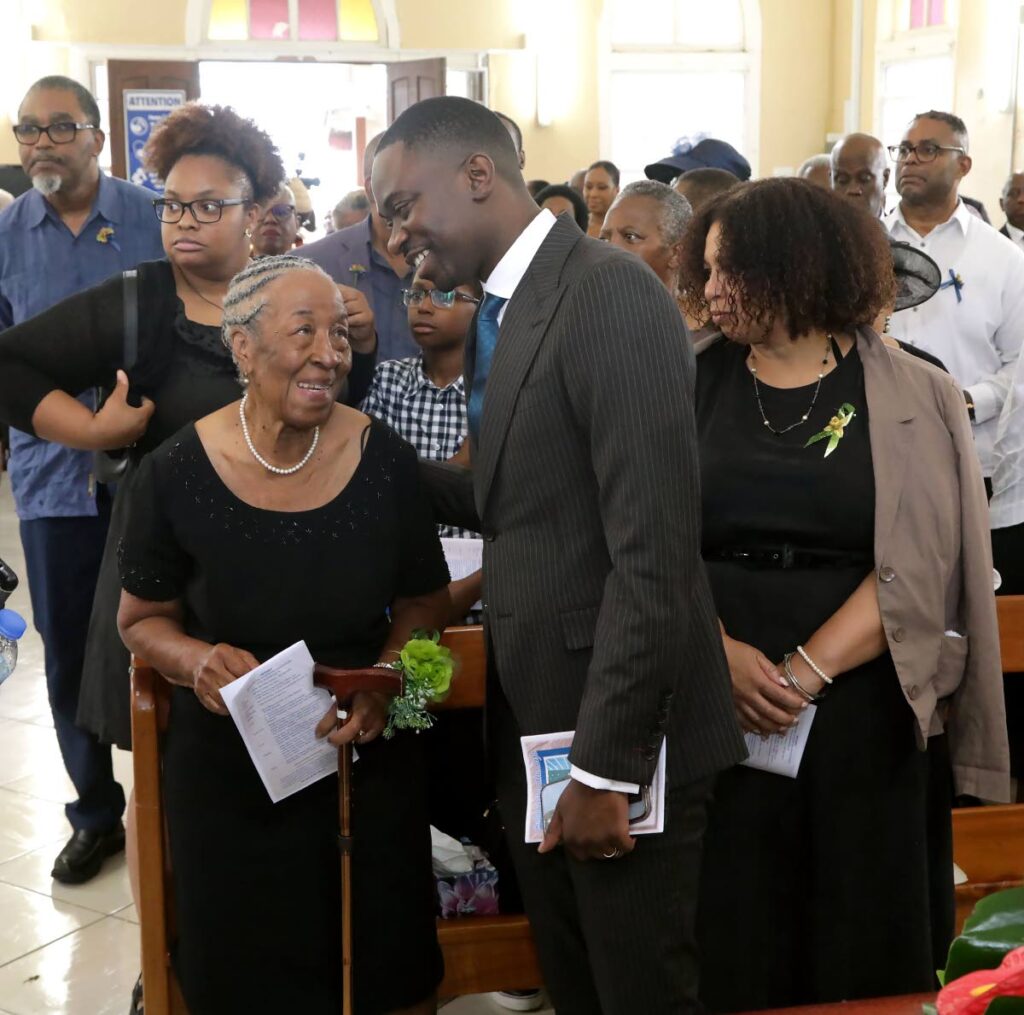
x,y
344,685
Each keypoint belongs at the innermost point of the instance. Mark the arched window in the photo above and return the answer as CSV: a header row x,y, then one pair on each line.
x,y
678,68
293,21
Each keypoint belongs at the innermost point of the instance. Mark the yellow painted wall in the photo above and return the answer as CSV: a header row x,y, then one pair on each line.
x,y
796,80
804,67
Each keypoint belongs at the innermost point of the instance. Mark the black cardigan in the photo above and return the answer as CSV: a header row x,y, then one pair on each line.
x,y
78,344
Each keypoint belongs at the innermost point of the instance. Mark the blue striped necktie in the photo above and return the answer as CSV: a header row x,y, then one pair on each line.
x,y
486,340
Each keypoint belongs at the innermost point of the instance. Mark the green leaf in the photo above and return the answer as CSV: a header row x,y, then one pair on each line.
x,y
817,437
994,928
833,443
846,409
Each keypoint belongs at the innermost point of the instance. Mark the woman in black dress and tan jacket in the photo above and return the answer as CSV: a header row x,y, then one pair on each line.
x,y
845,534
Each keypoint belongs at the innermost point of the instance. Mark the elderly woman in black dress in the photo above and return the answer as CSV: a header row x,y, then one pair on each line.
x,y
280,517
845,534
218,169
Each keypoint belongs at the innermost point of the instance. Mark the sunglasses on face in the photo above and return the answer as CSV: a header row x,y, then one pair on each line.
x,y
281,211
441,300
58,133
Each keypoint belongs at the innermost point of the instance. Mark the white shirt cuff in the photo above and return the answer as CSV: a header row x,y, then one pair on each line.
x,y
597,782
988,401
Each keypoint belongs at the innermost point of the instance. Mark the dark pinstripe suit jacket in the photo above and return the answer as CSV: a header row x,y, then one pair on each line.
x,y
599,614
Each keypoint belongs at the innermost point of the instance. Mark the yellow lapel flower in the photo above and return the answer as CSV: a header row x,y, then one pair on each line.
x,y
105,235
834,428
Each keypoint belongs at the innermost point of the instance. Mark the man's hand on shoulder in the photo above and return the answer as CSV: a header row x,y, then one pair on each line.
x,y
590,823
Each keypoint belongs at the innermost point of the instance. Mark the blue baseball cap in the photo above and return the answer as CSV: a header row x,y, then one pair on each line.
x,y
706,153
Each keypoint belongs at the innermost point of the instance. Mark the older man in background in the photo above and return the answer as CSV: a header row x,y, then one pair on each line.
x,y
860,171
73,229
1012,203
975,323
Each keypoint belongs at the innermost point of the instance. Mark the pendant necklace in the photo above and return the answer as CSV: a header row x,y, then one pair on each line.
x,y
810,408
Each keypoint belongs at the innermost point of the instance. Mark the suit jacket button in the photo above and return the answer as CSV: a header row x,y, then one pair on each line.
x,y
886,574
913,691
489,537
899,634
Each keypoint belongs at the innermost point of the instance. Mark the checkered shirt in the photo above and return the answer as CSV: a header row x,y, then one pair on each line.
x,y
431,419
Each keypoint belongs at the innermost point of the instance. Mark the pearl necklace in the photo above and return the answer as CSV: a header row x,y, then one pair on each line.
x,y
259,458
810,408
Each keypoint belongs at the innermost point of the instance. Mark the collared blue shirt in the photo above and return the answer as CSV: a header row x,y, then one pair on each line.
x,y
374,277
42,263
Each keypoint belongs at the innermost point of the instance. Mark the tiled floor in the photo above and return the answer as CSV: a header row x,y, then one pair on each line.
x,y
63,949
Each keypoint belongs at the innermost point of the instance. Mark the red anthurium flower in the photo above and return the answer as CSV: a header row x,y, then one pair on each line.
x,y
973,993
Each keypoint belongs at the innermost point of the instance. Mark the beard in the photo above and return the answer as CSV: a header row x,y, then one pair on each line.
x,y
47,183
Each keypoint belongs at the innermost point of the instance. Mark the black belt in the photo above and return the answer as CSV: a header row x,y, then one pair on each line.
x,y
786,556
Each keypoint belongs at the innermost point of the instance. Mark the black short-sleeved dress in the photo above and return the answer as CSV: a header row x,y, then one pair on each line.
x,y
836,884
257,895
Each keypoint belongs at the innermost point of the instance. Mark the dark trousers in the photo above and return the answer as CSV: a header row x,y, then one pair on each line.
x,y
614,937
62,557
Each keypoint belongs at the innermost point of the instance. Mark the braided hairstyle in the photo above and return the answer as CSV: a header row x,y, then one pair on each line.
x,y
247,292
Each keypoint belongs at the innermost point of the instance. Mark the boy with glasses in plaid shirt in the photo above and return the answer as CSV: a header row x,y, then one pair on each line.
x,y
423,397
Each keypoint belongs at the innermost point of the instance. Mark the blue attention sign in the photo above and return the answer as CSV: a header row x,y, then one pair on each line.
x,y
144,110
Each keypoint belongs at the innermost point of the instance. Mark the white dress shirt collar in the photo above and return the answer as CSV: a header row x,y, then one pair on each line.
x,y
961,216
509,271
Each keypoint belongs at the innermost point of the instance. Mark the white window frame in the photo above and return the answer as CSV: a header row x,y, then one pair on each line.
x,y
680,59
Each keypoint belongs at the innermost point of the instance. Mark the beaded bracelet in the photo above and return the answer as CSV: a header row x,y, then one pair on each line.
x,y
813,665
794,683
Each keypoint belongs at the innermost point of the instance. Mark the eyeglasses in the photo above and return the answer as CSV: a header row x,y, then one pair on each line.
x,y
58,133
925,151
205,210
441,300
281,211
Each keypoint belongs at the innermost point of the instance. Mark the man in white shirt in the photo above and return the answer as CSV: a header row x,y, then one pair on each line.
x,y
975,323
1012,203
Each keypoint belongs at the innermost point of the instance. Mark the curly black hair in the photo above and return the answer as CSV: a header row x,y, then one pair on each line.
x,y
197,129
793,249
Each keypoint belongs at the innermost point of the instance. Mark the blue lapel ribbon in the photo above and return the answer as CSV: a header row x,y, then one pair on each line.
x,y
956,282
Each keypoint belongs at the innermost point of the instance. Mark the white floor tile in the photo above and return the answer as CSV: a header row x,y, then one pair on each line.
x,y
129,913
25,748
32,920
27,823
106,893
89,972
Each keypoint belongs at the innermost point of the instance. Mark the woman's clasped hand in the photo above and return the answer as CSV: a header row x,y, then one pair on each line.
x,y
765,703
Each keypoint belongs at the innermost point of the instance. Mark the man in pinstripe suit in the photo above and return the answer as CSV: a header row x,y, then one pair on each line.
x,y
598,613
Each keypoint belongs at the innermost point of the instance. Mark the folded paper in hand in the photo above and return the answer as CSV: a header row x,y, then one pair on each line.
x,y
546,757
780,753
276,709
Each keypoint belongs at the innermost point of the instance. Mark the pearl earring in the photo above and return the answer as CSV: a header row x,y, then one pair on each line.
x,y
248,234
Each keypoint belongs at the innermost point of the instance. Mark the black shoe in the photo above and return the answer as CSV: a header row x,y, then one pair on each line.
x,y
83,856
137,1007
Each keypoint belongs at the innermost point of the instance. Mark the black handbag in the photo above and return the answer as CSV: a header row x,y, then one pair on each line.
x,y
110,466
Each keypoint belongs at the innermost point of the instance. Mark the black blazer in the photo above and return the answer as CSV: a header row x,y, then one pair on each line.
x,y
585,485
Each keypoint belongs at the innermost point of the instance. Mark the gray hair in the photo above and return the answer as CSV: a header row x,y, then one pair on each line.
x,y
674,211
247,292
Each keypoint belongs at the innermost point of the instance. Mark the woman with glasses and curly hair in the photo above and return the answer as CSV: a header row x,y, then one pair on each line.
x,y
846,538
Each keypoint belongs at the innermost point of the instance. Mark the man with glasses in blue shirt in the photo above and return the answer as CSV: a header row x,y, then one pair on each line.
x,y
975,322
75,228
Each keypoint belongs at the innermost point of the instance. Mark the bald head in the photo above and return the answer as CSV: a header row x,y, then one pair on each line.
x,y
860,171
817,170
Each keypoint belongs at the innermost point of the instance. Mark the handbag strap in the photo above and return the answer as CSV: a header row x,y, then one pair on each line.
x,y
130,286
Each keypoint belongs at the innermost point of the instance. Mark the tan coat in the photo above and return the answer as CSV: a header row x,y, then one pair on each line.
x,y
933,559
